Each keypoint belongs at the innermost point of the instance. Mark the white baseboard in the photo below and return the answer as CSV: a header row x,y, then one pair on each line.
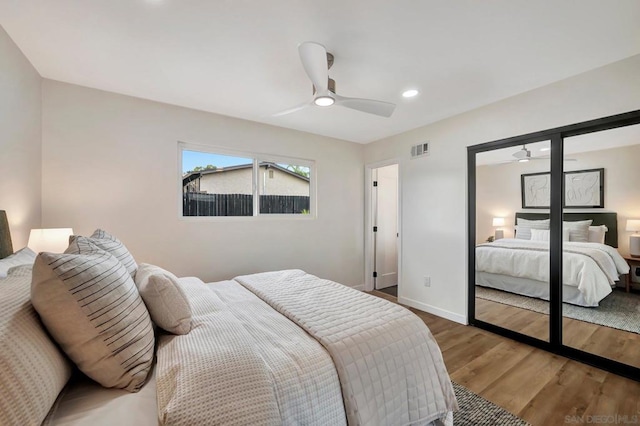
x,y
358,287
452,316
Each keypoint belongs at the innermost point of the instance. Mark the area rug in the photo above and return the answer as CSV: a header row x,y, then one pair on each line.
x,y
477,411
618,310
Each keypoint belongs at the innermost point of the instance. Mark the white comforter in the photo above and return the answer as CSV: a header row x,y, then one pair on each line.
x,y
390,367
313,352
243,364
591,267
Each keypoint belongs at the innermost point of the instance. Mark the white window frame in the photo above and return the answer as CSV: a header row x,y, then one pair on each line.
x,y
255,186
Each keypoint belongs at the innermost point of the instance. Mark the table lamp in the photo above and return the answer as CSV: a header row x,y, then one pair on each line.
x,y
52,240
498,222
633,225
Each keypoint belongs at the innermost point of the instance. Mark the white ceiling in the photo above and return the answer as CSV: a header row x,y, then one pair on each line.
x,y
239,57
596,141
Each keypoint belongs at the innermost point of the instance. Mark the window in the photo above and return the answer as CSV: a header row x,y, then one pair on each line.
x,y
284,188
225,183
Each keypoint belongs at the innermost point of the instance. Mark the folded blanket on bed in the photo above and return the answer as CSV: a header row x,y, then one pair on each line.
x,y
390,367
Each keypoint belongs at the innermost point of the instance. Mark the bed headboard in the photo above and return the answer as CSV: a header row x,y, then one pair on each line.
x,y
6,248
609,219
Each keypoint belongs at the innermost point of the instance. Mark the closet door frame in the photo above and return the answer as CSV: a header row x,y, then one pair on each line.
x,y
556,136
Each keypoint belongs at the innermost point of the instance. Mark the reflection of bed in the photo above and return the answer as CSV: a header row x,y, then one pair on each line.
x,y
274,348
590,269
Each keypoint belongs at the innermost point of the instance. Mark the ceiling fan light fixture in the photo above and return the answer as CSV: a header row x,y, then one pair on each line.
x,y
523,160
324,101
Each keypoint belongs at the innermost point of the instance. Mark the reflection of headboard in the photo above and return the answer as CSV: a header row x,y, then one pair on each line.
x,y
609,219
6,248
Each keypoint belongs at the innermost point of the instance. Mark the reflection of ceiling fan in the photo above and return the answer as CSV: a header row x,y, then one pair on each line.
x,y
523,155
316,62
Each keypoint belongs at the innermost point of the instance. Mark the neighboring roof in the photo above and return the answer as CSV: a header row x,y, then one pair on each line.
x,y
189,177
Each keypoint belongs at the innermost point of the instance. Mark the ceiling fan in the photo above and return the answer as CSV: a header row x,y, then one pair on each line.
x,y
523,155
317,62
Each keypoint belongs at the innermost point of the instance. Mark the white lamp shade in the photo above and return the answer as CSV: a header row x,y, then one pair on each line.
x,y
498,221
633,225
52,240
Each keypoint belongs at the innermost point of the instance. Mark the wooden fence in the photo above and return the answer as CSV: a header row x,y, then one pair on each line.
x,y
199,204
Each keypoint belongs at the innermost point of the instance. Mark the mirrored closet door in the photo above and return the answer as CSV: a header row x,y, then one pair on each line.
x,y
512,249
601,309
554,240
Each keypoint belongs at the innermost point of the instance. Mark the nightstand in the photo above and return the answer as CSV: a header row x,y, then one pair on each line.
x,y
633,263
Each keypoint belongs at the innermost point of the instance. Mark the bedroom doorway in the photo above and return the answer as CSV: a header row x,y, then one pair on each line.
x,y
383,230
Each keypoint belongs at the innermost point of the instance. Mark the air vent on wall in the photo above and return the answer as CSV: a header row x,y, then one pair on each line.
x,y
420,150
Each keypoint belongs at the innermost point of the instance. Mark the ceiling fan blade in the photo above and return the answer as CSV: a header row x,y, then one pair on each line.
x,y
383,109
548,157
522,153
291,110
314,60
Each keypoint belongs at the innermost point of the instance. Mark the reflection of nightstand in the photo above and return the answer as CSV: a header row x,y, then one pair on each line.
x,y
633,262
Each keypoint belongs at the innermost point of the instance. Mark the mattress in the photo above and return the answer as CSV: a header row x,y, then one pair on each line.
x,y
591,268
529,287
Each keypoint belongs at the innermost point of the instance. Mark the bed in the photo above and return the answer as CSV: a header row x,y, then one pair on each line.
x,y
591,265
281,347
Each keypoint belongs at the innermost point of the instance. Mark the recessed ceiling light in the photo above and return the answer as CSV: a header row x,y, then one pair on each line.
x,y
545,149
410,93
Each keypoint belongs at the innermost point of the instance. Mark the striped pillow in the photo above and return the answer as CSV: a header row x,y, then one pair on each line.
x,y
108,242
91,306
524,227
578,230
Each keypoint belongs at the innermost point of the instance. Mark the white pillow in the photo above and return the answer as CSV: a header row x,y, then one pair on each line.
x,y
26,256
167,304
524,227
540,234
597,234
578,230
544,235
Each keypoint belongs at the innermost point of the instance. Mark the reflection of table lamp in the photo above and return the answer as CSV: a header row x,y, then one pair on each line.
x,y
498,222
633,225
53,240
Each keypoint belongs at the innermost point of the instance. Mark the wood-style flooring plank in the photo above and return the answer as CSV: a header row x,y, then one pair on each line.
x,y
482,371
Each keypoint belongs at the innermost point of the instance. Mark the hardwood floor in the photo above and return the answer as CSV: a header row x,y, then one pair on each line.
x,y
535,385
612,343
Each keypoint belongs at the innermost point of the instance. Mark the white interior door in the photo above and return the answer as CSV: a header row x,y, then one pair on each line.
x,y
386,222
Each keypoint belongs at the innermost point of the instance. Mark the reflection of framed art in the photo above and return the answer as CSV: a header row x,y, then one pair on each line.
x,y
584,189
536,190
